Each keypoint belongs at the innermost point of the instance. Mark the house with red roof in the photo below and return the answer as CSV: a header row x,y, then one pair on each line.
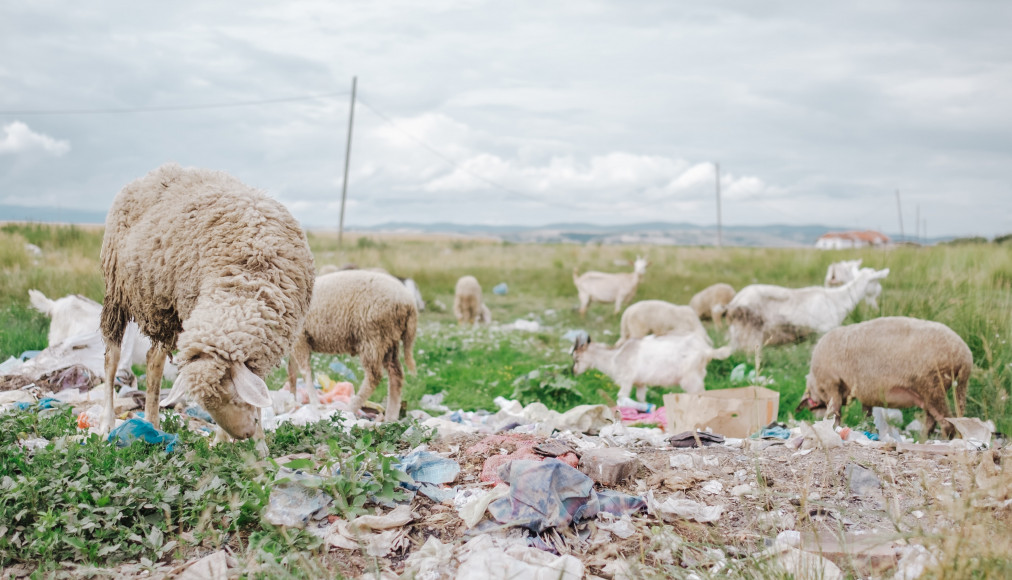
x,y
846,240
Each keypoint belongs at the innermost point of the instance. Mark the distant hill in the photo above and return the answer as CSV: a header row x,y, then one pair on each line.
x,y
15,213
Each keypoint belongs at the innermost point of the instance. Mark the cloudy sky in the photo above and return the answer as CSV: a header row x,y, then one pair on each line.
x,y
524,112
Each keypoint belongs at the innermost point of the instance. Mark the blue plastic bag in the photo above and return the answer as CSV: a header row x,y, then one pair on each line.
x,y
132,429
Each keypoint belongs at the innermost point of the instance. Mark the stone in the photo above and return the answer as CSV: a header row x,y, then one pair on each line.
x,y
609,465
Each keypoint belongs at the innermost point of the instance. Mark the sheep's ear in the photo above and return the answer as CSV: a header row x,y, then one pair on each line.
x,y
251,388
177,392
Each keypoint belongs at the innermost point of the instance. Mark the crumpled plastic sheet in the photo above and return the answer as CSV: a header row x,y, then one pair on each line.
x,y
500,289
550,494
198,412
679,507
775,432
341,369
433,561
378,534
588,419
485,558
820,435
619,435
429,470
883,423
133,429
295,499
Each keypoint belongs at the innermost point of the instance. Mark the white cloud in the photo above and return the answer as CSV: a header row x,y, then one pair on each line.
x,y
19,138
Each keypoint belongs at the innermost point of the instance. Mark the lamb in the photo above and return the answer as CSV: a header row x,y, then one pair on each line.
x,y
601,287
468,306
76,315
214,268
360,313
668,360
762,314
893,361
659,317
712,301
840,273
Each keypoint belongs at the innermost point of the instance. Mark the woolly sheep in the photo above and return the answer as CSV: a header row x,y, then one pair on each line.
x,y
762,314
468,306
603,287
712,301
659,317
214,268
891,362
365,314
839,273
408,282
668,360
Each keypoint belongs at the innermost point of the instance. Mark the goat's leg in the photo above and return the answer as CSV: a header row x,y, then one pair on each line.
x,y
584,303
624,390
112,353
641,393
156,365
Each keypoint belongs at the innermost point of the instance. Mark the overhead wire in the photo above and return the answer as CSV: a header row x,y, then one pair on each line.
x,y
170,108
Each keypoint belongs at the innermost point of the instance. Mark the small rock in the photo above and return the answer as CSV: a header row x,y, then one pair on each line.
x,y
609,465
863,481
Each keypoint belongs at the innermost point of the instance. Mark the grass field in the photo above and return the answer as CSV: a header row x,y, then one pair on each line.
x,y
96,504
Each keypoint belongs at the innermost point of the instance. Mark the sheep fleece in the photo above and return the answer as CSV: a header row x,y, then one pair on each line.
x,y
196,256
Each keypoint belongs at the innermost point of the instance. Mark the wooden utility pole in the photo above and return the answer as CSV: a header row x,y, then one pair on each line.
x,y
347,161
917,223
899,209
720,235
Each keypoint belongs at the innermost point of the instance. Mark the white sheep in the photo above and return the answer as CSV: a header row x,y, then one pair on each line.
x,y
76,315
361,313
762,314
468,306
665,361
839,273
214,268
893,361
712,301
659,317
610,288
408,282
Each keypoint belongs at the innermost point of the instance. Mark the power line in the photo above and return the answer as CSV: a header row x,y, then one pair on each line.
x,y
170,108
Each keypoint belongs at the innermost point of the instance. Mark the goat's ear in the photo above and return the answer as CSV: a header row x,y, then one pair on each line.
x,y
177,392
881,274
250,388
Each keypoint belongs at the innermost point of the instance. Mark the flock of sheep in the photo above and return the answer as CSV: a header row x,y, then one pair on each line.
x,y
197,263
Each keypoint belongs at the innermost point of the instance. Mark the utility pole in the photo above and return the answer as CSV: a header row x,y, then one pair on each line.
x,y
347,161
899,209
720,235
917,223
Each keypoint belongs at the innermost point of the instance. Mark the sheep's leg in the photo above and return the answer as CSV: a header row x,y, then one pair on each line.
x,y
156,365
618,304
373,371
396,382
301,354
112,352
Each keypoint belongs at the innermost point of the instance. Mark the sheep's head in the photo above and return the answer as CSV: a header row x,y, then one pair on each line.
x,y
580,345
811,402
232,395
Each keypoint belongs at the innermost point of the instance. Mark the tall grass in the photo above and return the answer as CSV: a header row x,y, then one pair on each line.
x,y
967,287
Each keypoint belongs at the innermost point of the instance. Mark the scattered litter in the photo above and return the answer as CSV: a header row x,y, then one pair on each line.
x,y
430,562
689,439
552,494
428,471
801,564
213,566
973,429
525,325
295,499
886,421
571,335
335,391
675,507
198,412
471,504
482,558
713,487
737,412
820,435
434,402
133,429
500,289
619,435
914,560
379,534
342,369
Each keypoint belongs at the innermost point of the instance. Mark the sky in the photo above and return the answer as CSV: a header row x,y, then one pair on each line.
x,y
525,112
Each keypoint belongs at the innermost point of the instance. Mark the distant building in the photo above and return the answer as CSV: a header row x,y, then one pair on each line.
x,y
844,240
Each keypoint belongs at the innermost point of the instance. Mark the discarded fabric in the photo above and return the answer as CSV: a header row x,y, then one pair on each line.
x,y
550,494
133,429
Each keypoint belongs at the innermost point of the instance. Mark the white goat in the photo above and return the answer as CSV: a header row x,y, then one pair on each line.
x,y
762,314
658,317
75,315
840,273
601,287
664,361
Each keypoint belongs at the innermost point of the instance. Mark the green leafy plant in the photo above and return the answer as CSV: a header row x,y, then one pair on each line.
x,y
550,385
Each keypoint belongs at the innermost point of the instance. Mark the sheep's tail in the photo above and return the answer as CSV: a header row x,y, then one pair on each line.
x,y
408,338
721,353
40,302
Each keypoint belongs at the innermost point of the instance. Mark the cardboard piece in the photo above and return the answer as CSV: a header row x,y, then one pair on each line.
x,y
730,412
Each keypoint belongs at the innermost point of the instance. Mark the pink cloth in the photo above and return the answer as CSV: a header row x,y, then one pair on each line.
x,y
657,416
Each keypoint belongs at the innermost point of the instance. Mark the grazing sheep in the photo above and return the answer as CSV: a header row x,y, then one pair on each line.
x,y
408,282
365,314
762,314
467,302
601,287
840,273
76,315
712,301
665,361
214,268
659,317
891,362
